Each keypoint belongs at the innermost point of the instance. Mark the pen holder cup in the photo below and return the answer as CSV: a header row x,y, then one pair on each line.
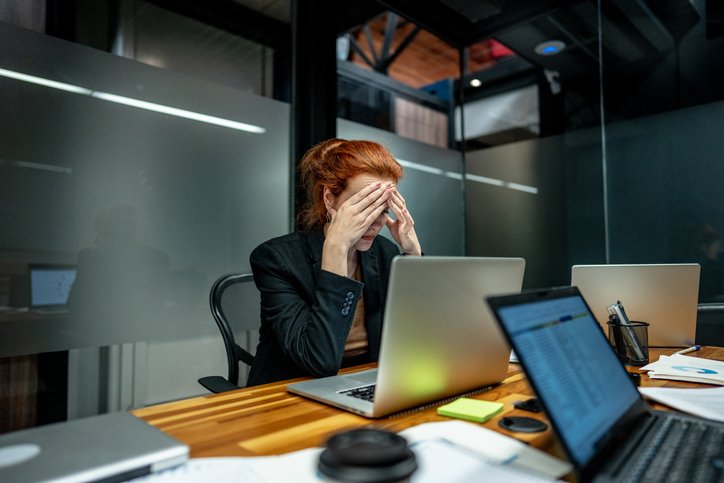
x,y
630,342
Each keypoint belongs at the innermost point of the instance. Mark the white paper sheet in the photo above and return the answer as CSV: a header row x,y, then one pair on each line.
x,y
491,444
705,402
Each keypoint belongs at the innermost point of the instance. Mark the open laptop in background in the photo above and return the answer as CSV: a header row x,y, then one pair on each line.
x,y
110,447
438,338
50,287
608,431
664,295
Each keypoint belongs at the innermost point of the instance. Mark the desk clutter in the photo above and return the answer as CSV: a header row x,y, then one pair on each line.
x,y
444,451
679,367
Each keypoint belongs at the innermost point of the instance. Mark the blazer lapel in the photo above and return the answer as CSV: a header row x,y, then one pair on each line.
x,y
315,242
369,264
372,299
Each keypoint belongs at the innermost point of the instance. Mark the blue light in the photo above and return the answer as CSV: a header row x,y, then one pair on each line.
x,y
550,47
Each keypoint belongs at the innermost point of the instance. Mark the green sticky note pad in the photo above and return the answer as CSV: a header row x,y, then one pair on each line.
x,y
470,409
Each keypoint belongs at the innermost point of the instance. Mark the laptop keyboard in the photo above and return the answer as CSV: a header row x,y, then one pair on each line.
x,y
681,450
366,393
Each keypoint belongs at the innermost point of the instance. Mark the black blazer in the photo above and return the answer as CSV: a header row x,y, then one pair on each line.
x,y
306,312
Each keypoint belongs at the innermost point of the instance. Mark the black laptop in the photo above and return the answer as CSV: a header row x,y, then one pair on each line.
x,y
606,428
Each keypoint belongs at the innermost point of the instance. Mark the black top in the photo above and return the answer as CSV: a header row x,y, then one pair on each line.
x,y
307,312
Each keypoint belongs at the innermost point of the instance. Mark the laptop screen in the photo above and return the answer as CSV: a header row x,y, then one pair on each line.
x,y
571,366
50,285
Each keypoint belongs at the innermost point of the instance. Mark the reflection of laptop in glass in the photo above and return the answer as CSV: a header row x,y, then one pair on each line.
x,y
664,295
438,337
111,447
608,431
50,287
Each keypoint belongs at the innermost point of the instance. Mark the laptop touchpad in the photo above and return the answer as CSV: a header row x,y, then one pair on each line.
x,y
364,377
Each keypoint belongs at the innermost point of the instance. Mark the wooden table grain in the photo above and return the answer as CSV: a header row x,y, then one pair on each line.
x,y
266,420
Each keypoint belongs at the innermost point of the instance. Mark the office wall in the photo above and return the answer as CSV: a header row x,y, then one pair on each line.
x,y
150,207
540,200
665,181
153,35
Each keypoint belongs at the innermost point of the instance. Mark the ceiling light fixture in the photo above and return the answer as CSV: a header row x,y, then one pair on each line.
x,y
550,47
476,83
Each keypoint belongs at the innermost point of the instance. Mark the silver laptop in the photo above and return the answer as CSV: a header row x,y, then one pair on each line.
x,y
110,447
439,339
664,295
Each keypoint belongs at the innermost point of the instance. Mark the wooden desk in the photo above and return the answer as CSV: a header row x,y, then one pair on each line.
x,y
266,420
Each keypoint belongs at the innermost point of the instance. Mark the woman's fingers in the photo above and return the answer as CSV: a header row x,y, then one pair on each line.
x,y
367,195
398,206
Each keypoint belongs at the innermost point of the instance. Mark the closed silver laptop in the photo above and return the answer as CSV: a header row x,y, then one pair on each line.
x,y
664,295
110,447
439,338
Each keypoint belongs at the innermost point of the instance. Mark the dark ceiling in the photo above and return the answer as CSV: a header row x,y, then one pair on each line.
x,y
668,49
632,29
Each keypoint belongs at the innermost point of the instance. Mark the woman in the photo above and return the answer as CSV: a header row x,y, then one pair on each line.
x,y
323,287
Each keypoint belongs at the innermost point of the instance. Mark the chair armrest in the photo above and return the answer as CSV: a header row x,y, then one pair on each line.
x,y
217,384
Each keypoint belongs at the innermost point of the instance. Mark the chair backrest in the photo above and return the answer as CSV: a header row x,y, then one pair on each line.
x,y
234,301
710,324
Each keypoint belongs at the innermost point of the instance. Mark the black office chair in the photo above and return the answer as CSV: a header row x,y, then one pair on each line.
x,y
710,324
234,302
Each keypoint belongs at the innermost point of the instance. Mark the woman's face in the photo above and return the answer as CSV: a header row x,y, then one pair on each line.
x,y
355,184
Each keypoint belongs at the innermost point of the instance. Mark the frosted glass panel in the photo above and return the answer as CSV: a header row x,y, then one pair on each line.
x,y
150,207
663,108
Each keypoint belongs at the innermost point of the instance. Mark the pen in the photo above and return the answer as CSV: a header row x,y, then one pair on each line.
x,y
690,349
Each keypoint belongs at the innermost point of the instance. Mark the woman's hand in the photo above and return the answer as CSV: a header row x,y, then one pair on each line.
x,y
403,227
350,221
352,218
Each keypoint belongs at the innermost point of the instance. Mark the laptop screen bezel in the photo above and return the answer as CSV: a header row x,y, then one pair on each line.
x,y
619,429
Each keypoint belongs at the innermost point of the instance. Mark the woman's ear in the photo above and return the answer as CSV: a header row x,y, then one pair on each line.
x,y
329,198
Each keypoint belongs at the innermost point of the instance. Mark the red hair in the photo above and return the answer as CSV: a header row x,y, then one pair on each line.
x,y
330,164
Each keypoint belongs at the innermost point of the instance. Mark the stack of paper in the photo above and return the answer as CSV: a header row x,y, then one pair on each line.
x,y
684,368
489,445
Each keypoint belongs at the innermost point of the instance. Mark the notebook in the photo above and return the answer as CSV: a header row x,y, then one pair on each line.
x,y
606,428
664,295
50,287
438,337
110,447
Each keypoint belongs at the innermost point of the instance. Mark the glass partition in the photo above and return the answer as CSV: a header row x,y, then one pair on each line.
x,y
125,191
663,108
